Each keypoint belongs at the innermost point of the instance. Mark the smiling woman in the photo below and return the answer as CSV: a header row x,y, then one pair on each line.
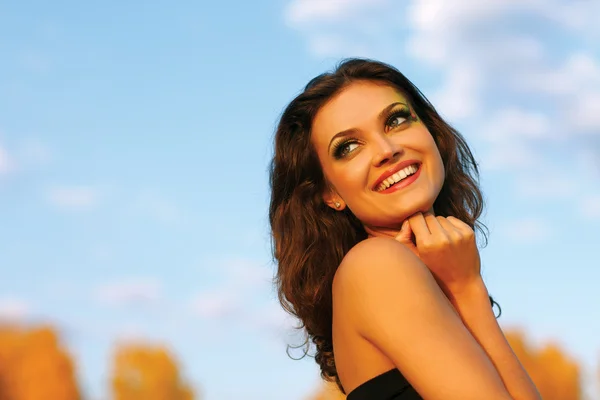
x,y
373,208
385,142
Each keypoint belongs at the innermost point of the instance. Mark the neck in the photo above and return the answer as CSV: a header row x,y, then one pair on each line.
x,y
373,231
381,231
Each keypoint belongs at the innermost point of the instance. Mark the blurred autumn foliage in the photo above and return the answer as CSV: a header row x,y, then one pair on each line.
x,y
34,366
149,373
329,391
555,374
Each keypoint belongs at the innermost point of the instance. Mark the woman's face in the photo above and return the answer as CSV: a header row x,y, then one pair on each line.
x,y
378,157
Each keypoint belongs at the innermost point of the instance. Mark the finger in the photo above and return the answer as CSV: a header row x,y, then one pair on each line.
x,y
458,224
418,225
433,224
461,226
406,237
405,232
449,228
405,228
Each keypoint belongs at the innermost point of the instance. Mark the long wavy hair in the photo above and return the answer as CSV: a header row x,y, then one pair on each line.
x,y
310,239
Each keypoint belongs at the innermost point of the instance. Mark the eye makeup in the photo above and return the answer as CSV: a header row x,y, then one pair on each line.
x,y
403,112
342,148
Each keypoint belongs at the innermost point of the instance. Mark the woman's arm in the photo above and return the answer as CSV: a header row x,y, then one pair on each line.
x,y
448,248
473,306
392,300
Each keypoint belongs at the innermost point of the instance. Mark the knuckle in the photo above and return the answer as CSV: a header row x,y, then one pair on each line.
x,y
427,244
456,220
457,236
444,241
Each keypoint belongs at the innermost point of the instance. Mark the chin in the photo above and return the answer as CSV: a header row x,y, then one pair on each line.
x,y
418,206
395,216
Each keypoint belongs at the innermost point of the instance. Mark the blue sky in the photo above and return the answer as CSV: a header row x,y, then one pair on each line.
x,y
135,138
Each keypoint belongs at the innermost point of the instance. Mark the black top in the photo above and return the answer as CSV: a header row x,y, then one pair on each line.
x,y
390,385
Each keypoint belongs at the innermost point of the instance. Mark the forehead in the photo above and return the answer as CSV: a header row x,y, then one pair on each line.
x,y
356,105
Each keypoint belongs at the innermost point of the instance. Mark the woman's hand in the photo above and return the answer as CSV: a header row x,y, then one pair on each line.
x,y
447,246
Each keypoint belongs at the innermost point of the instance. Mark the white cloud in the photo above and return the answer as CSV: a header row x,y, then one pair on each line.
x,y
585,113
578,71
13,310
243,281
512,157
590,207
130,292
6,163
515,123
463,79
472,43
23,155
216,304
505,71
74,197
450,35
574,86
273,321
342,28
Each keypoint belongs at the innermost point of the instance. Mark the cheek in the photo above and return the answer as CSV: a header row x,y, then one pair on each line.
x,y
439,170
350,179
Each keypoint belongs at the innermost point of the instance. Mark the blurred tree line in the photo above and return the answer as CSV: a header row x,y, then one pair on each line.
x,y
35,366
556,375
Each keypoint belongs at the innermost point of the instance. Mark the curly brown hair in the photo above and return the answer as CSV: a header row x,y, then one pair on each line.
x,y
310,239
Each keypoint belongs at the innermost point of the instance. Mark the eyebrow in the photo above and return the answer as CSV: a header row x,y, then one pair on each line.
x,y
350,131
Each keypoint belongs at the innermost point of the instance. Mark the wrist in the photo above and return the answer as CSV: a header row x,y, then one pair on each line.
x,y
473,292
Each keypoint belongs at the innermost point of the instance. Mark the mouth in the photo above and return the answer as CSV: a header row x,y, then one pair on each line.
x,y
399,179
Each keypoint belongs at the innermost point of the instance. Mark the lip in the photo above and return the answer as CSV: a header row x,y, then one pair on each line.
x,y
392,170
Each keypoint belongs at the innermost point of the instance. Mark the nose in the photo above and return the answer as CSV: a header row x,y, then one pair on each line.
x,y
385,150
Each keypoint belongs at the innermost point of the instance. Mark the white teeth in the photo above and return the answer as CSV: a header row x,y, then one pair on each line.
x,y
397,177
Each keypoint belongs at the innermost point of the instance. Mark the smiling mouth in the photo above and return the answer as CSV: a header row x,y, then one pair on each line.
x,y
398,177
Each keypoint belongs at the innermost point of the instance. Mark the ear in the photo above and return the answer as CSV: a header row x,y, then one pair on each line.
x,y
333,200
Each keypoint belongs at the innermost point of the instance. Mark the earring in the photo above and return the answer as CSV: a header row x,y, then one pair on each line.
x,y
337,204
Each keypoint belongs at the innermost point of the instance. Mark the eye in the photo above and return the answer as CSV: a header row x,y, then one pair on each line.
x,y
397,118
344,148
396,121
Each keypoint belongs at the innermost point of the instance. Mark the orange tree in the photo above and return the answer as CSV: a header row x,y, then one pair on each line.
x,y
147,372
33,365
556,375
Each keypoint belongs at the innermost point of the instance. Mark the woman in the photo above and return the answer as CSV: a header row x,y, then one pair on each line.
x,y
374,201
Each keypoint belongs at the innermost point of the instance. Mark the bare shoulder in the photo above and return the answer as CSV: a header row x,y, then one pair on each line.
x,y
379,274
388,297
370,245
378,262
